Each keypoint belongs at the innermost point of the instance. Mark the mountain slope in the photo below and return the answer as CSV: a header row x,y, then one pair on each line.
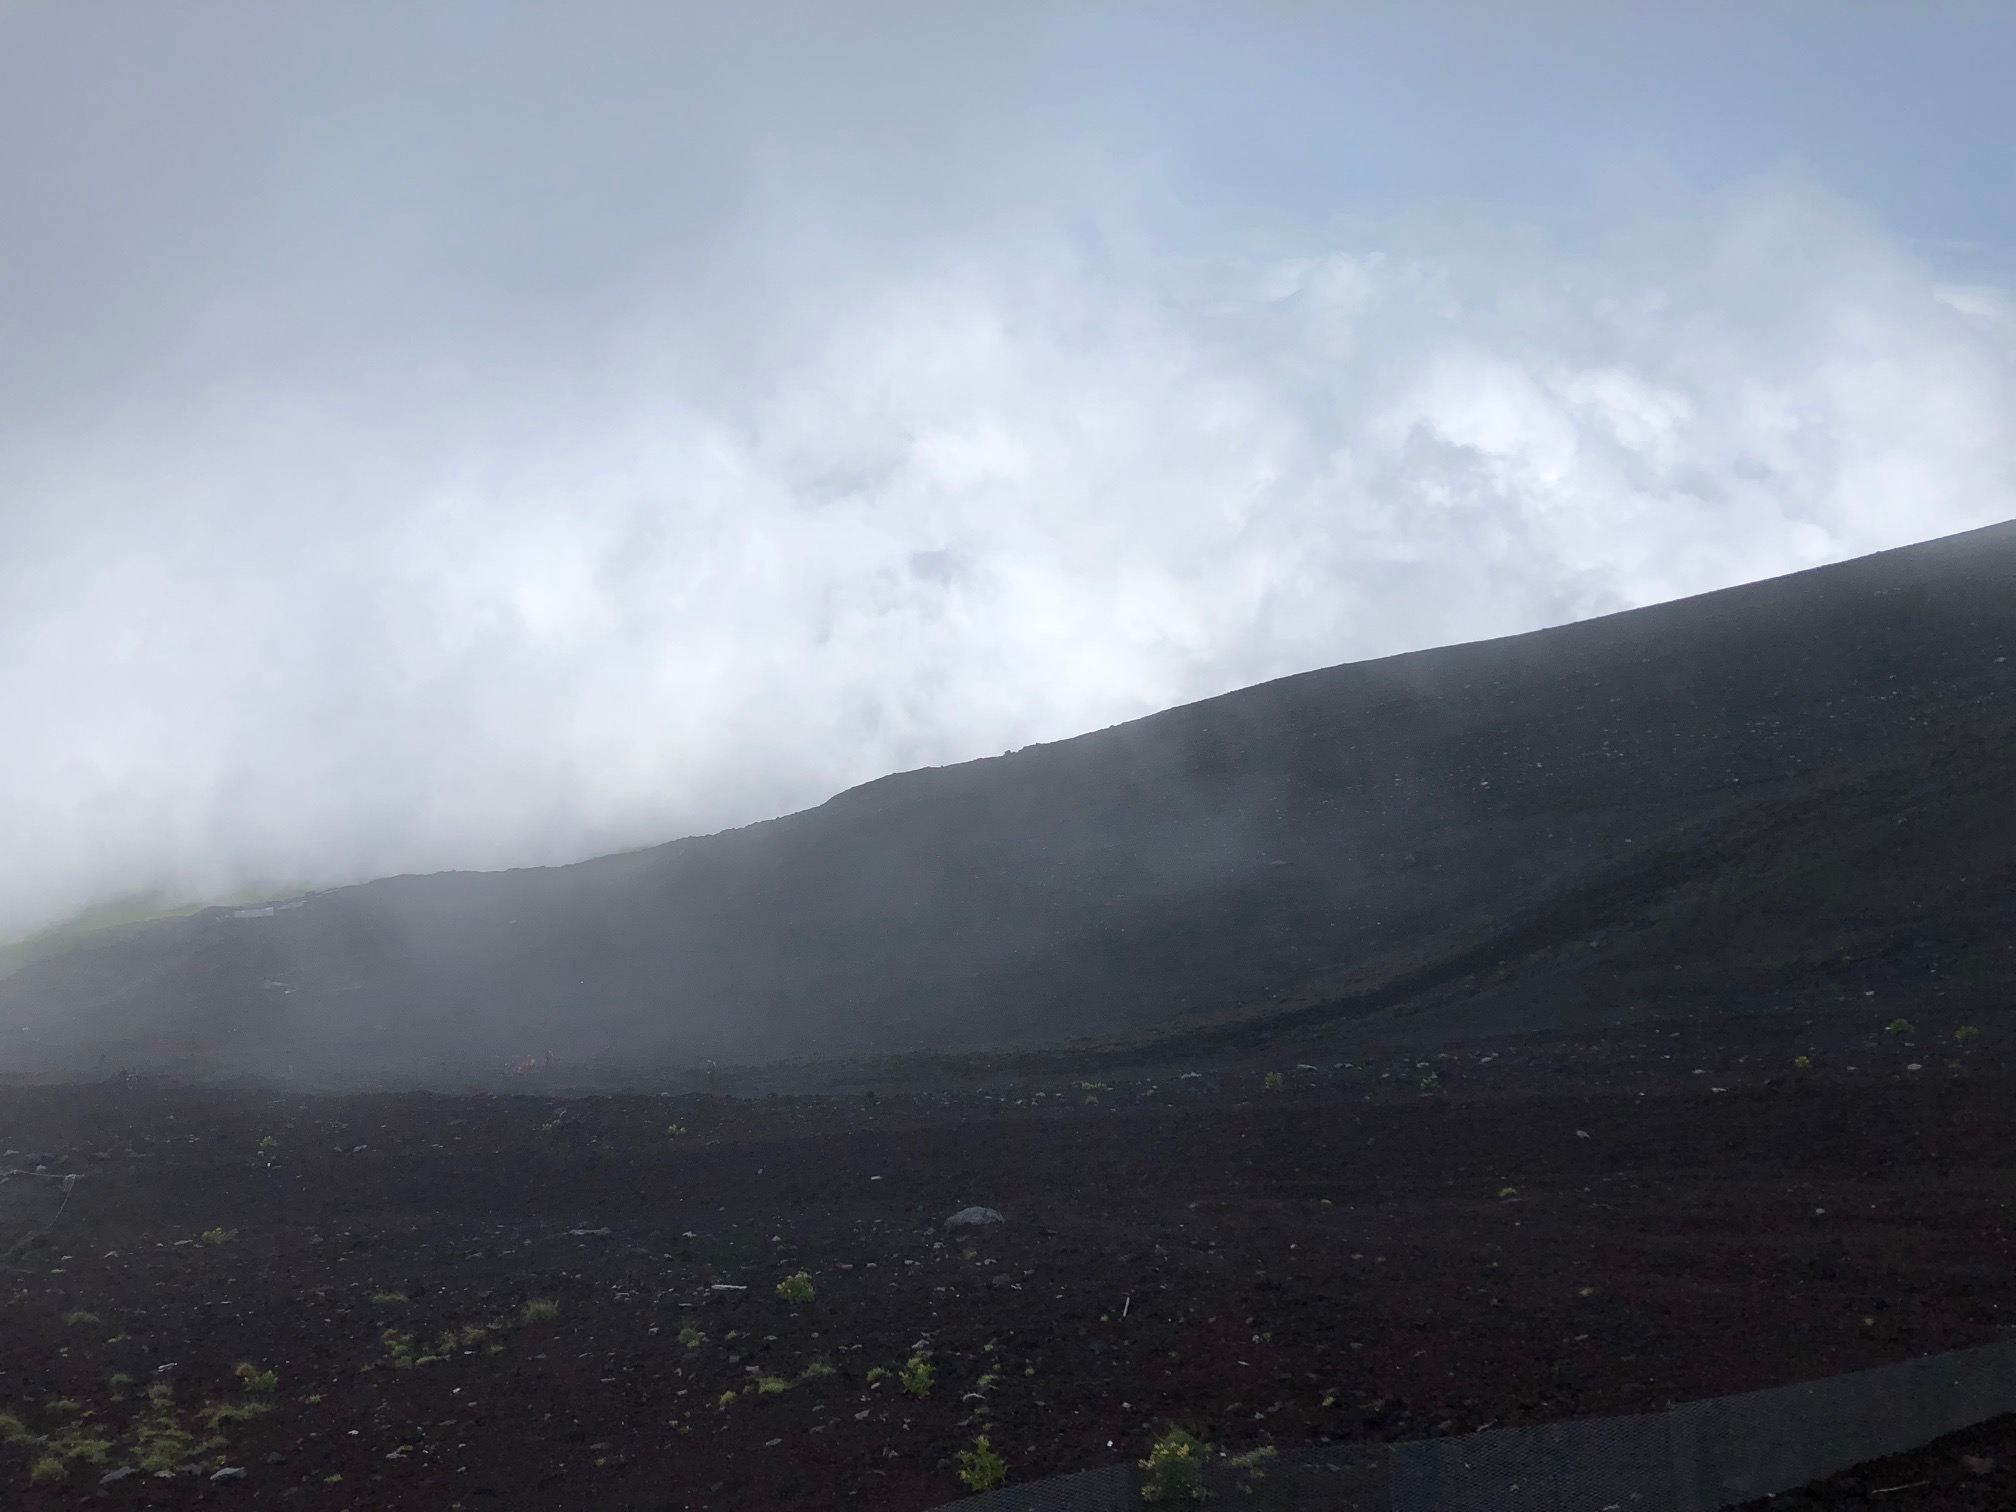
x,y
1422,843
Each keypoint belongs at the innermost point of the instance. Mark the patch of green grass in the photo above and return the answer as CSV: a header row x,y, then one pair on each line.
x,y
47,1468
258,1382
541,1311
796,1288
388,1296
690,1336
220,1413
13,1430
771,1386
66,1407
980,1468
398,1348
219,1235
1272,1081
878,1374
917,1376
1251,1458
727,1400
118,1385
1966,1034
1175,1467
79,1315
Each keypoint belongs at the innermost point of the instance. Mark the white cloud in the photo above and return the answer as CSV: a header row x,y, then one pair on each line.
x,y
487,606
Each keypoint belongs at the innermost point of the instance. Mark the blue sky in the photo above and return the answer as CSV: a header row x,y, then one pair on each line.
x,y
486,434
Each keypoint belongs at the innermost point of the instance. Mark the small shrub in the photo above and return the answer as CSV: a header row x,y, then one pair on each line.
x,y
675,1130
47,1468
917,1376
388,1296
771,1386
878,1374
258,1382
818,1370
541,1311
1272,1081
796,1288
269,1143
13,1430
727,1400
1966,1034
1899,1026
1251,1458
118,1385
78,1315
1803,1062
980,1468
1175,1467
219,1235
234,1412
690,1336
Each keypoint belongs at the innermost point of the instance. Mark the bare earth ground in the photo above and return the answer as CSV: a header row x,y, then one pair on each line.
x,y
1548,1228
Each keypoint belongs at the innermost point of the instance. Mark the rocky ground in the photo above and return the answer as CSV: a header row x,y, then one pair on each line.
x,y
544,1302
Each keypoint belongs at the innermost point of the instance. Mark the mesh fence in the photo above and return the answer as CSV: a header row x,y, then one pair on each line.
x,y
1691,1458
30,1204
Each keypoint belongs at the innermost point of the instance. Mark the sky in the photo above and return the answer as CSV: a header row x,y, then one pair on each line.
x,y
484,434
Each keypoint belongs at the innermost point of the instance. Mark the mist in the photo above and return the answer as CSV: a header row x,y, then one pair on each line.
x,y
487,439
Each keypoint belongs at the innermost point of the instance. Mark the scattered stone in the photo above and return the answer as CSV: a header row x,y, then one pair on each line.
x,y
230,1472
967,1217
113,1477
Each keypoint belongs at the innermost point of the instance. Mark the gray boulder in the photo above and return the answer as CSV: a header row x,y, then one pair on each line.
x,y
968,1217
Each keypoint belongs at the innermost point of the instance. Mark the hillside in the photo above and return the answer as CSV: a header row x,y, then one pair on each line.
x,y
1786,792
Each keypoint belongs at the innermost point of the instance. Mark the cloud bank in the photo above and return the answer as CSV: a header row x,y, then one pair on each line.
x,y
386,560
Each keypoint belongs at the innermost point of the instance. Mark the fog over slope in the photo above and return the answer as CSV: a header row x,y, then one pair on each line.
x,y
1407,835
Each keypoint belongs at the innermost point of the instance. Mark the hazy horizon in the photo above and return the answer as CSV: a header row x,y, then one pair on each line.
x,y
459,439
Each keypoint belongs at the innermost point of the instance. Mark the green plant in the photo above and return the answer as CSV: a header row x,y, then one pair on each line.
x,y
771,1386
690,1336
47,1468
1272,1081
118,1384
78,1315
219,1235
1251,1457
818,1370
727,1400
1803,1062
1899,1026
388,1296
675,1130
917,1376
269,1143
541,1311
796,1288
258,1382
398,1348
1175,1467
13,1430
1966,1034
220,1413
980,1468
878,1374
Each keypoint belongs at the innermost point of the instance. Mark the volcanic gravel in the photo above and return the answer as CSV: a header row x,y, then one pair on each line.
x,y
1306,1253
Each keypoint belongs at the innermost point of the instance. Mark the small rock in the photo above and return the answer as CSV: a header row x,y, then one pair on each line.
x,y
230,1472
972,1215
1980,1464
113,1477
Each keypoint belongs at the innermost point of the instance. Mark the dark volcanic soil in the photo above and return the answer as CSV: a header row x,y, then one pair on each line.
x,y
1522,1231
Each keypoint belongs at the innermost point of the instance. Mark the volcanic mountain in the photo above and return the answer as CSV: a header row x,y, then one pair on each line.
x,y
1785,794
